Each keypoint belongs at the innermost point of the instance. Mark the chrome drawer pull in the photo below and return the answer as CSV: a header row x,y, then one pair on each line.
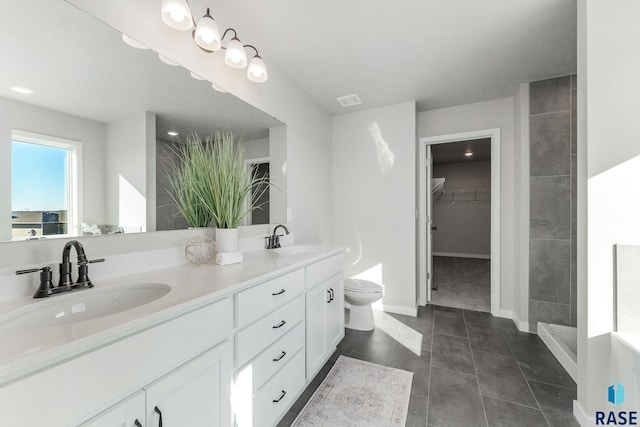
x,y
279,325
280,292
280,398
279,358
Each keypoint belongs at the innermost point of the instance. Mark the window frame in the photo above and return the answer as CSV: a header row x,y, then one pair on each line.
x,y
73,170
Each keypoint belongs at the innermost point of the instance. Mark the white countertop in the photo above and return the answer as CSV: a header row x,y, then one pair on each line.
x,y
25,351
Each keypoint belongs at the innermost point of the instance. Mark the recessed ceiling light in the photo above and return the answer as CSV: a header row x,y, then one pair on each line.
x,y
167,60
20,89
195,76
172,133
218,88
349,100
468,153
131,42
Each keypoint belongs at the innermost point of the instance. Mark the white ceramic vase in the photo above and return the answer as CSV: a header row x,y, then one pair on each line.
x,y
227,239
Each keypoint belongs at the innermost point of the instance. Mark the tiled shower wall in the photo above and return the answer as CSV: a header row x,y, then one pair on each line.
x,y
552,227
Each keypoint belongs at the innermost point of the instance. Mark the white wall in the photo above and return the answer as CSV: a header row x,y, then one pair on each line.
x,y
608,133
487,115
126,170
29,118
463,228
308,125
256,148
374,188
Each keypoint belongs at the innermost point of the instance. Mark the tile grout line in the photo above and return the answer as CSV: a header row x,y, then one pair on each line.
x,y
528,385
473,361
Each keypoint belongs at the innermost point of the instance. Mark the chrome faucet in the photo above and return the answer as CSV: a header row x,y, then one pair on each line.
x,y
273,241
46,287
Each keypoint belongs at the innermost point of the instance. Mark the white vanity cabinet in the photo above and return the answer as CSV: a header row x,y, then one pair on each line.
x,y
269,349
194,394
325,322
130,413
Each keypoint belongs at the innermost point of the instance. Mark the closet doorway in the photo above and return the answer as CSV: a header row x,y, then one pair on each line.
x,y
459,221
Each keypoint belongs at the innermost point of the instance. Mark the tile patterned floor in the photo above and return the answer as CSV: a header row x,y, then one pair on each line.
x,y
470,369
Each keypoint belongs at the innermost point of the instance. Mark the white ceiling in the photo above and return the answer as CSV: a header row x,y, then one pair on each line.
x,y
437,52
80,66
454,152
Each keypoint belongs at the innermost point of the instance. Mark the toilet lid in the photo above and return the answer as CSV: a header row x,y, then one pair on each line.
x,y
363,286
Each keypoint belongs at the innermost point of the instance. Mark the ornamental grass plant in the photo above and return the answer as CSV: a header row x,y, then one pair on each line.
x,y
210,183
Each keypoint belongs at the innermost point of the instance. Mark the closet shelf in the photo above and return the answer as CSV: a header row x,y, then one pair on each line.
x,y
465,195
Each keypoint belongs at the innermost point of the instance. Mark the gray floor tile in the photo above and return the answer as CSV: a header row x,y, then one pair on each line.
x,y
505,414
407,359
454,400
523,337
416,339
417,414
449,323
556,403
373,357
377,344
500,377
453,353
480,318
485,338
539,364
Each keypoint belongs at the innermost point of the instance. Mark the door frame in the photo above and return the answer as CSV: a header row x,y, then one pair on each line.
x,y
494,135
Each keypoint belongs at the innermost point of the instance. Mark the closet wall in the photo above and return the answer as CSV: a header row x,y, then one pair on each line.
x,y
462,214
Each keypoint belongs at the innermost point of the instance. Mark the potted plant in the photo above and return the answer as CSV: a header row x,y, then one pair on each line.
x,y
187,176
232,191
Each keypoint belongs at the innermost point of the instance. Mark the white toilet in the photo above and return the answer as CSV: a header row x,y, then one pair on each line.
x,y
358,297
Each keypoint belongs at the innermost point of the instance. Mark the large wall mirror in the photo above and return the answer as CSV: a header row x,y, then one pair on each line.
x,y
83,152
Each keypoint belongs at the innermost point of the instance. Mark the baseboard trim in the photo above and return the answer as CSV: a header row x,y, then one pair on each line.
x,y
400,310
522,326
581,415
502,312
456,255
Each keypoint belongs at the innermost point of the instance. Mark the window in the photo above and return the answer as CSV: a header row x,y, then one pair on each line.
x,y
44,186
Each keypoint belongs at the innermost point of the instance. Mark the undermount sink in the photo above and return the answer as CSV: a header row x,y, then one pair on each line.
x,y
84,305
297,250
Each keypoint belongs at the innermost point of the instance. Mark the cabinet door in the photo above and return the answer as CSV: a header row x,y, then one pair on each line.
x,y
196,394
316,324
335,312
129,413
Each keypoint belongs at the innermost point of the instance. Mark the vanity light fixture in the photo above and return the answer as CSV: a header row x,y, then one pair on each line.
x,y
20,89
177,14
206,35
131,42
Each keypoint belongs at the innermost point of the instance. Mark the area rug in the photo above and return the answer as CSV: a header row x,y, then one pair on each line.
x,y
359,393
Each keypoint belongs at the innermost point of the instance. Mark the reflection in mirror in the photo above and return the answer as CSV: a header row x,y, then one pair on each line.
x,y
103,111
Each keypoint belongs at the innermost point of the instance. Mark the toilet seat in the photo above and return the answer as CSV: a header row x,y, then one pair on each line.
x,y
362,286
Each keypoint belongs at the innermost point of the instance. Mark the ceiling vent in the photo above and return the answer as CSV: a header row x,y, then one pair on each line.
x,y
349,100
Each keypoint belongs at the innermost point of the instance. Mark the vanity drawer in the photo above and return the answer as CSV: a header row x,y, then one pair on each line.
x,y
320,271
276,356
255,302
279,393
251,340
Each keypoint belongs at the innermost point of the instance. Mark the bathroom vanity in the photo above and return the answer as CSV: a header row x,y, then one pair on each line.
x,y
226,345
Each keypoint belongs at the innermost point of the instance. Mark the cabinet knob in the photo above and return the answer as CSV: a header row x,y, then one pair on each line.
x,y
159,412
279,325
279,358
280,397
137,423
280,292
